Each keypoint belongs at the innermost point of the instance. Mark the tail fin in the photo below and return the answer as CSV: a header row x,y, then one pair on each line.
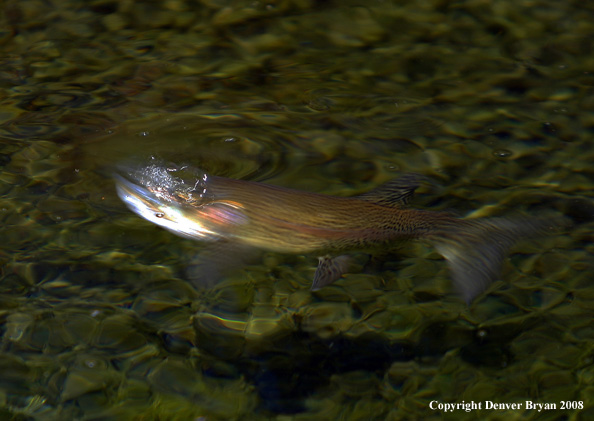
x,y
475,249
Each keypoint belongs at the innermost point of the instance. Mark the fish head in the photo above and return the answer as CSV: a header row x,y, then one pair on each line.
x,y
179,200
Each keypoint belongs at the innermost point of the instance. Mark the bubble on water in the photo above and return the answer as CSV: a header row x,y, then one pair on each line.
x,y
502,153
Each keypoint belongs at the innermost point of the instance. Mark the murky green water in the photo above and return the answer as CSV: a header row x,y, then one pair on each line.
x,y
492,99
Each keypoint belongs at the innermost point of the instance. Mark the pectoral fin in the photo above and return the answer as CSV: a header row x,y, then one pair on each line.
x,y
329,270
217,260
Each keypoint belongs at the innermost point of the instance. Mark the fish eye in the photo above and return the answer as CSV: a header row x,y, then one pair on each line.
x,y
159,214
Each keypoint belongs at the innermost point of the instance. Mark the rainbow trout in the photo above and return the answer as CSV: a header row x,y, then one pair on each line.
x,y
193,204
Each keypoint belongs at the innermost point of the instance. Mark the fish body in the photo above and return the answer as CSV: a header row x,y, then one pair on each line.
x,y
193,204
292,221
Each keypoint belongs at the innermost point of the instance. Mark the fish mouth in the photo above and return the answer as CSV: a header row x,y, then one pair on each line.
x,y
184,207
139,199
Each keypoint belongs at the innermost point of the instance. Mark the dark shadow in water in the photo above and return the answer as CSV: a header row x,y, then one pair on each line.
x,y
302,364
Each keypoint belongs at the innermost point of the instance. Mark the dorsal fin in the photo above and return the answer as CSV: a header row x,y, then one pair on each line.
x,y
395,192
